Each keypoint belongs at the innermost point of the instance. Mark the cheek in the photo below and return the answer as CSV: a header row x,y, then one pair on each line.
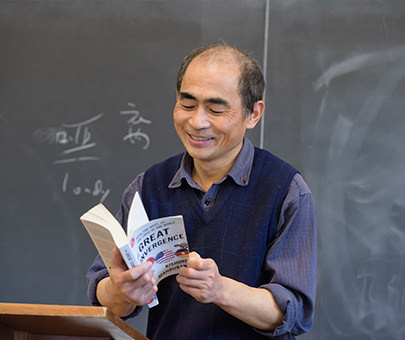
x,y
178,118
227,125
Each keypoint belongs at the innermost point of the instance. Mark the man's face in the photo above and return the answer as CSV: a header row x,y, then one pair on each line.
x,y
208,113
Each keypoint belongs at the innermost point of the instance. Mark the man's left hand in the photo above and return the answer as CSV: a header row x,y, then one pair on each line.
x,y
201,279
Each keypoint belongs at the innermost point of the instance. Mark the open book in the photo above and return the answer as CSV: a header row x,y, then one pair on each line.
x,y
161,241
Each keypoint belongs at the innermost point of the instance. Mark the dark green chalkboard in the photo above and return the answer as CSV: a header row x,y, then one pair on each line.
x,y
86,96
336,73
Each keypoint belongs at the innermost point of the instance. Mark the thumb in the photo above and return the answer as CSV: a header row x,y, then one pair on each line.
x,y
194,260
194,255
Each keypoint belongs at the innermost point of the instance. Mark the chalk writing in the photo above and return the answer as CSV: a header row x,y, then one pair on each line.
x,y
136,119
78,144
97,190
79,140
74,138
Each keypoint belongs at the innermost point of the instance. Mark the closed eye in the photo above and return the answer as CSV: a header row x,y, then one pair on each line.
x,y
216,112
188,107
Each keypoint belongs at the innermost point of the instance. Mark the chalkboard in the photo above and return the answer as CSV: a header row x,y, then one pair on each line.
x,y
87,90
336,73
86,96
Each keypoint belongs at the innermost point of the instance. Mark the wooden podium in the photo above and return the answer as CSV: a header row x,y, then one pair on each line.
x,y
55,322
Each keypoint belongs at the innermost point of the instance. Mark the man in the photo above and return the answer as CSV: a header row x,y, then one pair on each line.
x,y
249,218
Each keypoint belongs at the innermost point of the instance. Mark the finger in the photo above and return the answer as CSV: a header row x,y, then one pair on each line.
x,y
194,254
142,291
137,287
199,264
199,291
134,277
185,282
144,271
195,261
194,278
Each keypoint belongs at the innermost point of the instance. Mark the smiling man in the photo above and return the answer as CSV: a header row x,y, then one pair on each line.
x,y
249,217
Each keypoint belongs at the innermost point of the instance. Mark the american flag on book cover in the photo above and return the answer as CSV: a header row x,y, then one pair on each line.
x,y
165,256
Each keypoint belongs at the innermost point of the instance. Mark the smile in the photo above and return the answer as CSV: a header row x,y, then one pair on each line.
x,y
199,139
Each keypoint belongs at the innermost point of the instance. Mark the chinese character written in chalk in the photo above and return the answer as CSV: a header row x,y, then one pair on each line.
x,y
134,129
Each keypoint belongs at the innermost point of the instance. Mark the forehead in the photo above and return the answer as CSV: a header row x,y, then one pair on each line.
x,y
213,73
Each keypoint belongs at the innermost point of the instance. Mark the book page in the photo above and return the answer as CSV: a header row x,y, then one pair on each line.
x,y
137,215
105,231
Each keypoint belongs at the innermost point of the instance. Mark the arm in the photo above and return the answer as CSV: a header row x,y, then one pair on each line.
x,y
255,306
286,302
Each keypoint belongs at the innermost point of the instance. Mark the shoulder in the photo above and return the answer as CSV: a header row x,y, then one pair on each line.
x,y
299,186
298,191
267,167
264,157
299,194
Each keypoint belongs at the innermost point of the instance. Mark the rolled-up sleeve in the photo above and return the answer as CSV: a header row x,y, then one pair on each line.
x,y
292,261
95,274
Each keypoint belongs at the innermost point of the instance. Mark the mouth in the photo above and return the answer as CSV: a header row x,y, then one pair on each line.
x,y
199,140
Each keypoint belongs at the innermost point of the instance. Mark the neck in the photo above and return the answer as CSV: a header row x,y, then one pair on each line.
x,y
208,172
206,176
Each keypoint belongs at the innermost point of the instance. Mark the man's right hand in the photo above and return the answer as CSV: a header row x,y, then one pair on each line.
x,y
126,289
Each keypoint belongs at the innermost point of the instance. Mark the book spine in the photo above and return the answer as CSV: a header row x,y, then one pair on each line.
x,y
128,256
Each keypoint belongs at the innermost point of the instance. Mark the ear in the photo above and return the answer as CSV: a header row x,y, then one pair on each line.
x,y
255,115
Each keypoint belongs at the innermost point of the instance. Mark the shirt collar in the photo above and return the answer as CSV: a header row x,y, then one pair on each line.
x,y
239,172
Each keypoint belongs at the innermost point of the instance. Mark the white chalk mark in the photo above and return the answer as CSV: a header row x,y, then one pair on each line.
x,y
76,159
359,62
80,148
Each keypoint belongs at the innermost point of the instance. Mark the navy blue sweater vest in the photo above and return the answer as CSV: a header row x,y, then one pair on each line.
x,y
236,232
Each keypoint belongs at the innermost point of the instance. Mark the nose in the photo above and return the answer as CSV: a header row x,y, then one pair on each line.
x,y
199,119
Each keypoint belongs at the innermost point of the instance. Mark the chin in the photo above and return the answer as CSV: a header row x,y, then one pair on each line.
x,y
198,155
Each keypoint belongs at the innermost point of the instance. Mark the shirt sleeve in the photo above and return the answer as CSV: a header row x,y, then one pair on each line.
x,y
98,270
292,261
